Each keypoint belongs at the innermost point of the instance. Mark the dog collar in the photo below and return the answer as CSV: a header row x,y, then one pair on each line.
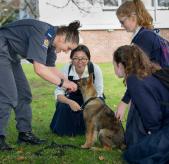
x,y
86,102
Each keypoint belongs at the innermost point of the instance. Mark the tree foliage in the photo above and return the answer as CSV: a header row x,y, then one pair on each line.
x,y
8,11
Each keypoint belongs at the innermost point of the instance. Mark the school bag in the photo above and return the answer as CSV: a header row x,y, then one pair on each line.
x,y
163,76
164,44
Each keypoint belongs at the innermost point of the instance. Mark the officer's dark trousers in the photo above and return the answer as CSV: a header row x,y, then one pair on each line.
x,y
14,92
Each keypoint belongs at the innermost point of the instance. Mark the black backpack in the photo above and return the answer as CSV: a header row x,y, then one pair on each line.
x,y
163,76
164,44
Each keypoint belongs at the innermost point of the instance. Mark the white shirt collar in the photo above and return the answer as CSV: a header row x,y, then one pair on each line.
x,y
136,32
75,75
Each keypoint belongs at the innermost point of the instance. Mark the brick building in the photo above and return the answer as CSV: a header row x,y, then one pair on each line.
x,y
100,31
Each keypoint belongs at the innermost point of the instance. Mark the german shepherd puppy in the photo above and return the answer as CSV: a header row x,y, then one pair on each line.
x,y
99,119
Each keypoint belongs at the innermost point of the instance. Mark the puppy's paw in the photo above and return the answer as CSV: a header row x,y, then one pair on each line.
x,y
97,149
86,146
107,148
123,147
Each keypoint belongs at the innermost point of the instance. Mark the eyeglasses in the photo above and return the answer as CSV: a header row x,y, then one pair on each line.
x,y
123,21
80,59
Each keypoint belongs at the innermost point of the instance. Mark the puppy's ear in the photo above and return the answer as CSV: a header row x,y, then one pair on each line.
x,y
81,81
90,81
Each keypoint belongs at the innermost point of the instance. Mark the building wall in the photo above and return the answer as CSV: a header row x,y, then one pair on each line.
x,y
103,43
101,30
95,17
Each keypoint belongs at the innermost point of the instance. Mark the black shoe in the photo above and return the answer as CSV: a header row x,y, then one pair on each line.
x,y
3,145
29,137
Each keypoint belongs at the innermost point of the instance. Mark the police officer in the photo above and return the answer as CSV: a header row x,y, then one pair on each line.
x,y
38,42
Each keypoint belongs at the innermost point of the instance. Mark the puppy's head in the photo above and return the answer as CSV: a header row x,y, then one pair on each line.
x,y
86,86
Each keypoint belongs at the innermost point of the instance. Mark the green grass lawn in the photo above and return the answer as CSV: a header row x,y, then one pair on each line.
x,y
43,106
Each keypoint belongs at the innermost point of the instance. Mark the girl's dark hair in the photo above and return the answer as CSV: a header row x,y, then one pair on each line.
x,y
82,48
135,61
71,32
136,7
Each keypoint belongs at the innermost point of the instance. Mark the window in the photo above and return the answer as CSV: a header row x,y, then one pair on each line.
x,y
112,4
160,3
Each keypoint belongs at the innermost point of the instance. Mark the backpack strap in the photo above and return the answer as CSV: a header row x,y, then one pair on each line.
x,y
70,77
164,45
91,69
163,76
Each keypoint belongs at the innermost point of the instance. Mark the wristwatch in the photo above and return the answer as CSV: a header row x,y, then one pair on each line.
x,y
61,83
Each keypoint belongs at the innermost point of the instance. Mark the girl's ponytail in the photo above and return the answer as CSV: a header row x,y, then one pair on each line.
x,y
143,17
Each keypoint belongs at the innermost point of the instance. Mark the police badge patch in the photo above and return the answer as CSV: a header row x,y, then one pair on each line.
x,y
45,43
49,34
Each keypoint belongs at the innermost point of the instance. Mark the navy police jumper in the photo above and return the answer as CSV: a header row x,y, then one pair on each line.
x,y
32,40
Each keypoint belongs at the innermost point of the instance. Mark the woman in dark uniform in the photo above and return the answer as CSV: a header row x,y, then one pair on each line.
x,y
38,42
68,119
147,128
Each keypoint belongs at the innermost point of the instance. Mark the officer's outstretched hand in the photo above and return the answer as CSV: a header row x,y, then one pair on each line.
x,y
70,86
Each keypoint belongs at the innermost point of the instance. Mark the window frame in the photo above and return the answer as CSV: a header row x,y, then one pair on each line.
x,y
111,7
155,7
